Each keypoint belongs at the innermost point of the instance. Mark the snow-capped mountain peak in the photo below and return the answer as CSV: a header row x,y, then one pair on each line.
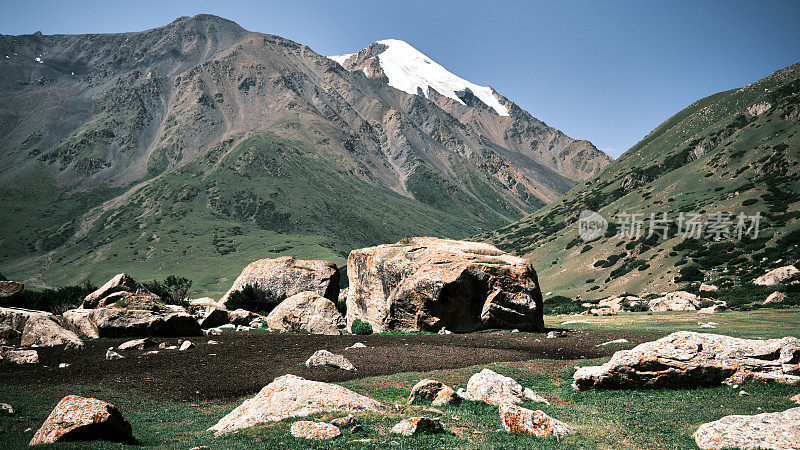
x,y
409,70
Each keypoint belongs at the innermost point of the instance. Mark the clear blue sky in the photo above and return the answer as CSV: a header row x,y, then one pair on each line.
x,y
607,71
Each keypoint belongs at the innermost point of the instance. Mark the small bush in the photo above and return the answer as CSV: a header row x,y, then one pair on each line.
x,y
690,273
172,291
638,307
360,327
255,299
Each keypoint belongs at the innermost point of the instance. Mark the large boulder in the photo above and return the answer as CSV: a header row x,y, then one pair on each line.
x,y
287,276
687,359
16,318
9,288
490,387
427,284
83,419
19,356
123,322
778,276
307,312
292,396
44,331
120,283
79,322
778,430
520,420
120,322
675,301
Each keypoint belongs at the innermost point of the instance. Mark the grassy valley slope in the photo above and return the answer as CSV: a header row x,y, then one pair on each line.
x,y
736,151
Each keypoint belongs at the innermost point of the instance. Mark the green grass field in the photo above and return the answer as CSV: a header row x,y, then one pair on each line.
x,y
630,419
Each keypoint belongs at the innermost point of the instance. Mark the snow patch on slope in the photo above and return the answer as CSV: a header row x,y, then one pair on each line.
x,y
410,70
341,58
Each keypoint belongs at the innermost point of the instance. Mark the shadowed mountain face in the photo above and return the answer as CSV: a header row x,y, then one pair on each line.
x,y
198,147
735,152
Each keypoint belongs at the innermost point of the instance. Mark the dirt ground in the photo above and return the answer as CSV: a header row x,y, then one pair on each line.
x,y
242,363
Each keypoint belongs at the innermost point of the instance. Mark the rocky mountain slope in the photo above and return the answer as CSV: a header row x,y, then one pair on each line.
x,y
735,152
198,147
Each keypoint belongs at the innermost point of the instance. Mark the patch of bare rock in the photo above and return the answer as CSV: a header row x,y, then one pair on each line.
x,y
780,275
778,430
82,419
293,396
287,276
307,312
775,297
688,359
427,284
314,430
326,358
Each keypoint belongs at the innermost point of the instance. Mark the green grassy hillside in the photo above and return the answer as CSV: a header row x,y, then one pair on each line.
x,y
208,219
733,152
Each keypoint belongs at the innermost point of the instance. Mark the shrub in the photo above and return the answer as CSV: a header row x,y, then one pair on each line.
x,y
172,291
690,273
55,301
255,299
360,327
559,304
638,306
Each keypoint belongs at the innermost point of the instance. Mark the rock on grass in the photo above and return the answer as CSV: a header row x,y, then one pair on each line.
x,y
293,396
689,359
418,425
778,430
533,423
83,419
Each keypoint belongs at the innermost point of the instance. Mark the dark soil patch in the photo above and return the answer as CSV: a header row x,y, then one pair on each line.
x,y
242,363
